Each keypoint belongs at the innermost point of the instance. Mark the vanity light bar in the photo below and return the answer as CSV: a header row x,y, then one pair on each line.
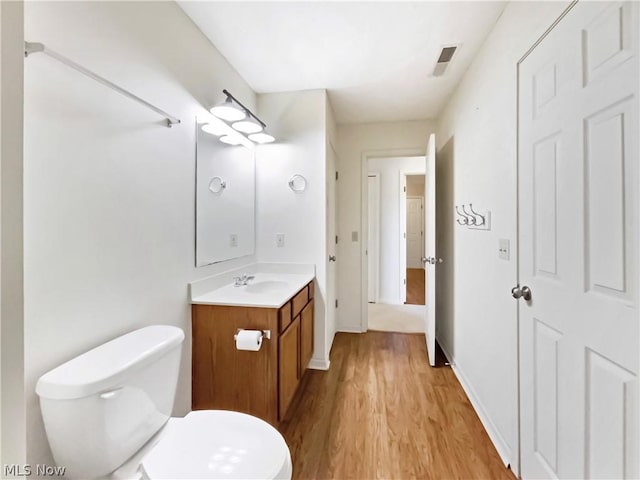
x,y
245,109
249,128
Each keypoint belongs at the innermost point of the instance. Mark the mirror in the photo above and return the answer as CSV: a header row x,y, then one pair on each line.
x,y
225,199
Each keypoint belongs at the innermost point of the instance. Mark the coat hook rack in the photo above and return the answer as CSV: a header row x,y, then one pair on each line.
x,y
472,218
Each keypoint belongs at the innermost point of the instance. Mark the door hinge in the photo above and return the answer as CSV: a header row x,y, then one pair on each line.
x,y
336,239
336,175
404,234
405,189
405,281
336,303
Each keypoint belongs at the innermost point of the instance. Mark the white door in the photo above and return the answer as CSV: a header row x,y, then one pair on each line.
x,y
402,241
578,247
430,260
414,232
373,255
332,240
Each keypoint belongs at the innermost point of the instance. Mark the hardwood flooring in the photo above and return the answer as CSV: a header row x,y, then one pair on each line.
x,y
382,412
415,286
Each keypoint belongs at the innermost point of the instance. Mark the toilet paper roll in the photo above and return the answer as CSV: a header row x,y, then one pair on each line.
x,y
249,340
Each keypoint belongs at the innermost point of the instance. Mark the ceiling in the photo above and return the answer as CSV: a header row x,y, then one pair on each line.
x,y
374,58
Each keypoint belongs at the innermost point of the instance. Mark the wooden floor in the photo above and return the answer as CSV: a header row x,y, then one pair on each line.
x,y
415,286
382,412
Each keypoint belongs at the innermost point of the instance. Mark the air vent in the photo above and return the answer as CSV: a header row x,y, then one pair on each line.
x,y
446,54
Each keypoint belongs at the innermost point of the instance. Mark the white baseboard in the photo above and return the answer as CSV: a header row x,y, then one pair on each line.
x,y
349,329
319,364
498,441
390,301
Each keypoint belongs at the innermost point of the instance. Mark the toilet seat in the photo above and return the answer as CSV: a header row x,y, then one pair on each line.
x,y
216,444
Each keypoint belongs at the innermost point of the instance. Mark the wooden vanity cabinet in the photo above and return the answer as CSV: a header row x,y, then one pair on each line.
x,y
261,383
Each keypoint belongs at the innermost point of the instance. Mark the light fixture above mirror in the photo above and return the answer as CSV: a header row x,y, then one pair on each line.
x,y
261,137
226,110
247,127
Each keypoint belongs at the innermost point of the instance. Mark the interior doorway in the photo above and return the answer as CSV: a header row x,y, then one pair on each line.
x,y
415,219
391,247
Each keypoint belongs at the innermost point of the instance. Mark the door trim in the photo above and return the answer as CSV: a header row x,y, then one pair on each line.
x,y
374,253
364,221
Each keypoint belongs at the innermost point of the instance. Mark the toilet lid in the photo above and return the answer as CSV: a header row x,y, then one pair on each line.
x,y
216,444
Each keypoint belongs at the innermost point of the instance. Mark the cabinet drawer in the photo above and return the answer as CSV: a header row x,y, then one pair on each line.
x,y
284,316
299,301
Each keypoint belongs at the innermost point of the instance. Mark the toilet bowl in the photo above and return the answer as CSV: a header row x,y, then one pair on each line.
x,y
107,415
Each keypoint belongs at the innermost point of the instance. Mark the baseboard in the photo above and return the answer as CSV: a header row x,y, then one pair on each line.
x,y
498,442
319,364
389,301
349,329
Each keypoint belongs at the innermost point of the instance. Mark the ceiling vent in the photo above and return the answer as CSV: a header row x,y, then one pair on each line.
x,y
443,60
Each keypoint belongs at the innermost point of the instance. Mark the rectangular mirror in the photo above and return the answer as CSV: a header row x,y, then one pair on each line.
x,y
225,199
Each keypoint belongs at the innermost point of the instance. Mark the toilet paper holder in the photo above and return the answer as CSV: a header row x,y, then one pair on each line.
x,y
265,333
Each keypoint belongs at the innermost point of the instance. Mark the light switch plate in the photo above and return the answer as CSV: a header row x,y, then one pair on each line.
x,y
233,240
354,236
280,240
504,249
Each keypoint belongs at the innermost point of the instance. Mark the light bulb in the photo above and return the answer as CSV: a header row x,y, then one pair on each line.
x,y
227,111
261,137
247,126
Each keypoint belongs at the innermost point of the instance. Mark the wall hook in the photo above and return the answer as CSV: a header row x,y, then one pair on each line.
x,y
481,222
465,219
472,219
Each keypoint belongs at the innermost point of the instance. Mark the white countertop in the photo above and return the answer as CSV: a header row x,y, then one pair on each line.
x,y
273,285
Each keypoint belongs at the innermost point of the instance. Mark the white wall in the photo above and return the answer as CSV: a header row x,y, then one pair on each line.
x,y
12,409
378,139
477,163
109,190
298,121
390,170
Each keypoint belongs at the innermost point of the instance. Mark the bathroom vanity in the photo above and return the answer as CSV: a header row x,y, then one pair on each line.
x,y
264,382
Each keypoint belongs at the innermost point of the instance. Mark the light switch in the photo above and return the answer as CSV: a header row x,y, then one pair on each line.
x,y
503,249
354,236
233,240
280,240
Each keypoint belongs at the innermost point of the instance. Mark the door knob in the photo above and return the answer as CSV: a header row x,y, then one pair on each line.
x,y
431,260
332,258
424,260
524,292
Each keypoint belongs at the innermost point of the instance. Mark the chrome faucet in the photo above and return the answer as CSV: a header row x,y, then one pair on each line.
x,y
243,280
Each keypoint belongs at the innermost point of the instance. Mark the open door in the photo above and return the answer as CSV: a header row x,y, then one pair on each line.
x,y
430,260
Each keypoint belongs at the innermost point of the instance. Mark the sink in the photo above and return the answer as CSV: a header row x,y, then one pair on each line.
x,y
265,286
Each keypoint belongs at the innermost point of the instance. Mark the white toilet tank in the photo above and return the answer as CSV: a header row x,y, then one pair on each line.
x,y
102,406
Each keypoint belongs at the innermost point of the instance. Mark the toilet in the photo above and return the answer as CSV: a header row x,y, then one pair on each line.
x,y
107,414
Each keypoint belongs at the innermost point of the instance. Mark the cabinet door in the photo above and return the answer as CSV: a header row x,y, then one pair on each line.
x,y
288,352
306,336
